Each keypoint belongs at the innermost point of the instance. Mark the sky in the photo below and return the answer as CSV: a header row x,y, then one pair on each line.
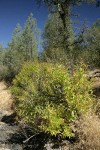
x,y
17,11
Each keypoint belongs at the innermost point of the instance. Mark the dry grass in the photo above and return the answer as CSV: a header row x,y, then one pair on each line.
x,y
89,133
6,100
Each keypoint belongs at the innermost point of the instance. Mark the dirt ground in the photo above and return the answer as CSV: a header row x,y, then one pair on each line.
x,y
6,101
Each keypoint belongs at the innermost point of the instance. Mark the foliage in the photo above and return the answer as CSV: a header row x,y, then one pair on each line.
x,y
3,68
23,47
13,63
16,42
49,98
30,37
2,54
3,72
24,41
64,9
91,47
53,33
56,48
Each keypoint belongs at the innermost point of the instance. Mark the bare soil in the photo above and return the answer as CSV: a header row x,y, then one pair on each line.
x,y
8,128
6,101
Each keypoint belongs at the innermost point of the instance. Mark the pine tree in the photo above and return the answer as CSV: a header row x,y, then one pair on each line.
x,y
92,45
30,38
54,39
64,9
2,53
15,43
23,47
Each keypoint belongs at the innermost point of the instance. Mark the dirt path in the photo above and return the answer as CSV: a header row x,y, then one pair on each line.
x,y
5,98
8,128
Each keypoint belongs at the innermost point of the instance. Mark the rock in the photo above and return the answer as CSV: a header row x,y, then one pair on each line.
x,y
7,131
8,125
10,147
94,73
4,113
65,145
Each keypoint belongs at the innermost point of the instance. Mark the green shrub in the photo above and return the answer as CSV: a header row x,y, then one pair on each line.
x,y
49,98
13,61
3,72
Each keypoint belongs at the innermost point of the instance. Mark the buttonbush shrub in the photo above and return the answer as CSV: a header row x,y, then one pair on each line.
x,y
49,99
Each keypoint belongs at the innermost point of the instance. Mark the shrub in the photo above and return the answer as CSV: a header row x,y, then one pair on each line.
x,y
13,62
3,72
49,98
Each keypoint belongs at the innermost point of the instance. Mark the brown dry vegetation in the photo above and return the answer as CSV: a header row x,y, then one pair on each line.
x,y
88,127
6,100
89,133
